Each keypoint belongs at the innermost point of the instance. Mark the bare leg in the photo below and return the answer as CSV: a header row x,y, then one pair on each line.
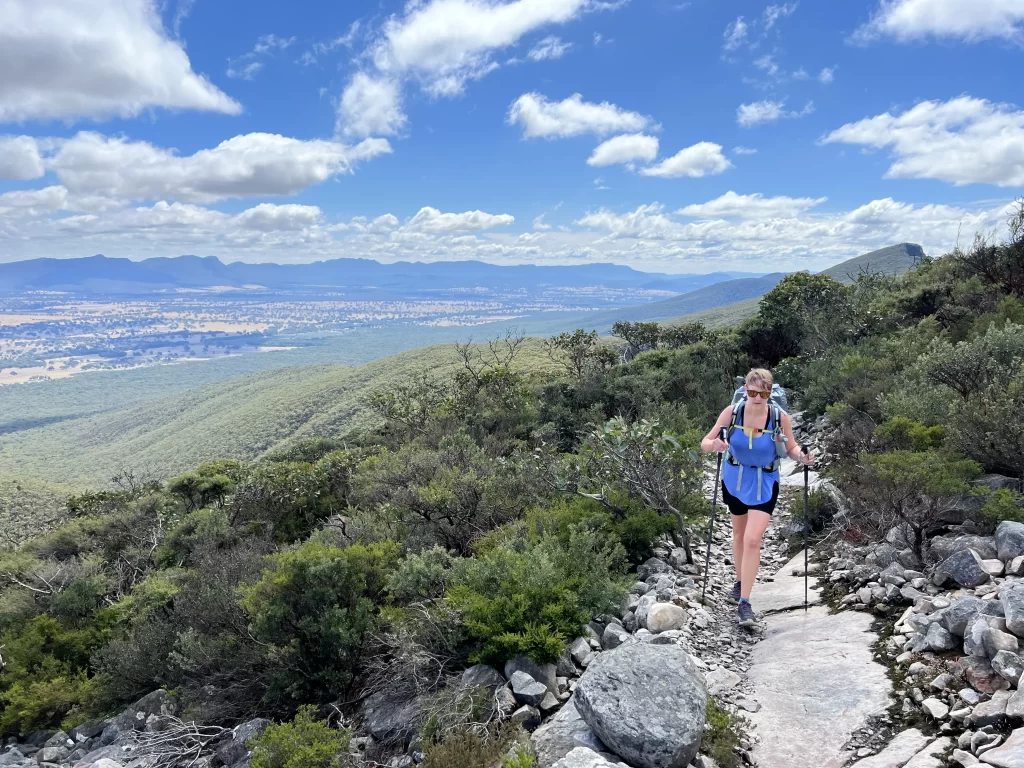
x,y
739,526
755,528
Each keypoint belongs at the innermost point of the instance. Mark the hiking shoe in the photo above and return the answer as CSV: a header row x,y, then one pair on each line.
x,y
746,614
734,593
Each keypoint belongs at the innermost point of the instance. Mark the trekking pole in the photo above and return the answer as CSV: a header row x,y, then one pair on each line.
x,y
807,524
711,527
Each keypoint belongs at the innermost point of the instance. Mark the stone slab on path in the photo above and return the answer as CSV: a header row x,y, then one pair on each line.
x,y
817,682
786,592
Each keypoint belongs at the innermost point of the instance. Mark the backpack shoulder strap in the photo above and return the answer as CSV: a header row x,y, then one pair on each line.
x,y
778,433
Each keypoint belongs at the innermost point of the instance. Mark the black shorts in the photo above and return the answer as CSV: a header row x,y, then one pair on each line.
x,y
737,507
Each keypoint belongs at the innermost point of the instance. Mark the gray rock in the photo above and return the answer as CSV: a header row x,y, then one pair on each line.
x,y
900,750
990,712
644,607
134,717
961,613
549,703
59,739
390,718
1015,706
112,752
663,617
1010,754
652,567
614,636
1016,566
482,676
505,701
52,754
969,696
935,708
526,716
930,756
940,639
527,690
581,757
964,567
565,667
647,703
981,676
941,547
561,734
996,640
964,759
13,757
1009,666
1013,605
579,650
993,567
106,762
1009,540
542,673
237,747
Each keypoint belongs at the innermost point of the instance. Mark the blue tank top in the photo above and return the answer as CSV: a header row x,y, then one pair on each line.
x,y
750,483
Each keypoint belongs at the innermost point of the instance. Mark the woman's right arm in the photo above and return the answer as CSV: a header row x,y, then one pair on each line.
x,y
712,441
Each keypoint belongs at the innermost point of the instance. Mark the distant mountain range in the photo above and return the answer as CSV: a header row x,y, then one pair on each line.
x,y
103,275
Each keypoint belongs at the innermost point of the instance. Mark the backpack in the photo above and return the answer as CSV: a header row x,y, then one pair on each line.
x,y
778,403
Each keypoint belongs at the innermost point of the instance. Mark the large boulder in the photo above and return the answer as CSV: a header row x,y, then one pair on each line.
x,y
963,567
665,616
961,614
614,636
482,676
646,703
134,717
391,718
527,690
561,735
1009,755
1009,540
941,547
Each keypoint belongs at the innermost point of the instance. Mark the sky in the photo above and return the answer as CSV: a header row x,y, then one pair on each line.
x,y
681,136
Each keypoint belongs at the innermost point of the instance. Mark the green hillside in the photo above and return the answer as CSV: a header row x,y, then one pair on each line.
x,y
241,418
721,317
894,260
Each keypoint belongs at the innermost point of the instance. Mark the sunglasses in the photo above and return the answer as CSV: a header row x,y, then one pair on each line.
x,y
758,393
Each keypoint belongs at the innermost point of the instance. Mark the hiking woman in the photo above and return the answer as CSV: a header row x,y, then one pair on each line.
x,y
750,476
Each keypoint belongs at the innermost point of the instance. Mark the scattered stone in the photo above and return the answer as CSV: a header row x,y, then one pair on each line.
x,y
929,757
941,683
560,735
1015,706
721,680
964,759
1010,754
901,749
1016,566
665,616
527,690
939,639
526,716
581,757
542,673
579,650
990,712
992,567
1013,605
996,640
614,636
237,747
981,676
935,708
1009,666
479,676
969,696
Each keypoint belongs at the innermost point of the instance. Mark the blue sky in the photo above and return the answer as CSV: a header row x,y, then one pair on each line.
x,y
667,135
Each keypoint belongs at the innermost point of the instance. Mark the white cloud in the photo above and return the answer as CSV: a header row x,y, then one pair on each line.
x,y
827,75
703,159
541,118
744,151
270,43
967,20
767,63
801,74
961,141
773,13
735,34
539,225
648,222
67,59
241,71
432,220
767,111
250,165
181,13
628,148
34,201
755,206
267,217
345,40
370,106
20,158
444,43
550,47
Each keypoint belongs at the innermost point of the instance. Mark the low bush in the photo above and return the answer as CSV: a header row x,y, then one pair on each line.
x,y
303,743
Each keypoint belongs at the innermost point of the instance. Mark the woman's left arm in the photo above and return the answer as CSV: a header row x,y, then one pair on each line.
x,y
792,446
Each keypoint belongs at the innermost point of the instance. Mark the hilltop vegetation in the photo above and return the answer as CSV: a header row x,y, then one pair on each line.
x,y
488,511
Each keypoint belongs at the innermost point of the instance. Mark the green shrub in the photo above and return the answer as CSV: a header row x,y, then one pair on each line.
x,y
1000,505
901,433
529,597
988,427
422,576
721,736
315,606
476,748
203,529
58,698
302,743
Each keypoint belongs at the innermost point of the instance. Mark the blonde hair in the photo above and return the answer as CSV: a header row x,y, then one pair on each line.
x,y
762,376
